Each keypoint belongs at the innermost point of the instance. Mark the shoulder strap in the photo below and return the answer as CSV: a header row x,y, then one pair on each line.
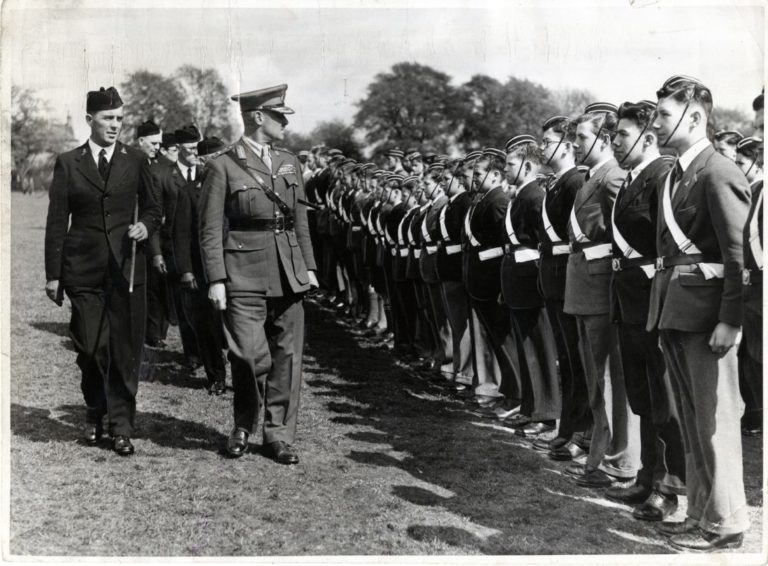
x,y
754,233
271,195
684,244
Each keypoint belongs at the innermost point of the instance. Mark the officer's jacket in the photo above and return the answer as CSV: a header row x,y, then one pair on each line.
x,y
711,205
78,254
271,262
587,287
449,265
483,278
519,280
559,202
635,215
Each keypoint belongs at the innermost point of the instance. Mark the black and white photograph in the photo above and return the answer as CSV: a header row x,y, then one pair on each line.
x,y
382,281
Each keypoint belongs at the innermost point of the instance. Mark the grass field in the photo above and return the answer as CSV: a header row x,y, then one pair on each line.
x,y
390,464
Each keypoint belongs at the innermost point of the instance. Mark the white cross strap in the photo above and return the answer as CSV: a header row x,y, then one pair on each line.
x,y
626,249
575,228
467,220
551,234
510,229
754,232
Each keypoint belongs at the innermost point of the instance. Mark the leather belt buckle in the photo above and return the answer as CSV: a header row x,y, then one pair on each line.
x,y
746,277
660,264
616,263
279,224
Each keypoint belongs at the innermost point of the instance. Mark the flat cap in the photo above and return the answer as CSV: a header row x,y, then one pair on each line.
x,y
270,98
436,167
410,180
103,99
472,156
148,128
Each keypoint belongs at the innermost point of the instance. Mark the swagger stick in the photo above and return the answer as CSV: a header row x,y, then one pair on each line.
x,y
133,246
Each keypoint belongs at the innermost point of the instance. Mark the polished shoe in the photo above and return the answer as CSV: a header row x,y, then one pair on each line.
x,y
672,528
507,411
575,470
122,445
217,388
237,443
633,495
698,540
599,479
92,433
193,362
657,507
568,451
483,401
515,420
535,429
282,453
545,445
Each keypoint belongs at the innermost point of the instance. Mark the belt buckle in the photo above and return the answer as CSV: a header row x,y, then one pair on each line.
x,y
746,277
660,264
279,224
616,263
570,247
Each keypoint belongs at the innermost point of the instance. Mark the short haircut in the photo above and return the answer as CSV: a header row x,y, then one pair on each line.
x,y
603,122
529,152
686,91
494,163
561,126
640,114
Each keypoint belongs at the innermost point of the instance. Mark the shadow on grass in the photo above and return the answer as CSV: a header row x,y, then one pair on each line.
x,y
495,487
63,424
57,328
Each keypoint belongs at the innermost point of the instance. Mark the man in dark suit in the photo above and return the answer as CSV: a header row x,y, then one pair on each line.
x,y
575,429
661,477
259,263
171,180
614,450
204,320
540,405
487,236
749,158
696,305
102,202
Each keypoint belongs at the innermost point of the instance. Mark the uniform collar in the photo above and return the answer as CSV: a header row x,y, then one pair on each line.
x,y
95,149
692,153
639,168
598,166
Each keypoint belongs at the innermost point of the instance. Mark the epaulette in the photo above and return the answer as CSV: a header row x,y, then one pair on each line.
x,y
220,152
288,151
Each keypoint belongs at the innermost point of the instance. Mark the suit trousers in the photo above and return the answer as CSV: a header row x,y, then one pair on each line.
x,y
406,315
575,416
650,397
485,367
495,319
158,318
540,387
425,331
186,331
615,446
751,370
107,328
456,307
209,333
706,390
265,336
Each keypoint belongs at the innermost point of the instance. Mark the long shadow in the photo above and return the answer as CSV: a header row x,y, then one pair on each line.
x,y
473,460
57,328
39,425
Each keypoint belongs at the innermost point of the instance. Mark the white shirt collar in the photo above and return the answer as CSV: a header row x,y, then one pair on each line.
x,y
183,168
639,169
96,150
596,167
258,148
692,153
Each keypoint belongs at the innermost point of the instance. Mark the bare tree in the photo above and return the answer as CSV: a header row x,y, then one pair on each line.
x,y
206,96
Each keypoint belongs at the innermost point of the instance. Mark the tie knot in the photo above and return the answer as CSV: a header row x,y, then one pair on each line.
x,y
103,152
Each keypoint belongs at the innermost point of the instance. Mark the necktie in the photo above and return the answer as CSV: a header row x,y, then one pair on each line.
x,y
588,175
103,165
629,179
190,177
675,176
265,157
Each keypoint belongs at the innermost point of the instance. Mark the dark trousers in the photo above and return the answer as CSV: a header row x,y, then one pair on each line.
x,y
187,333
649,392
495,319
540,387
425,333
485,367
456,306
751,370
575,416
158,317
107,328
443,352
328,270
209,334
266,342
406,314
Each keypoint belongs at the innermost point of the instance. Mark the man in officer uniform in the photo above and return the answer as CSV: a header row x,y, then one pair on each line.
x,y
102,202
696,305
259,265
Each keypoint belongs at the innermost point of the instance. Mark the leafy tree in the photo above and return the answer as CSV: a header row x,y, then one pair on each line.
x,y
337,134
731,119
570,102
412,105
296,142
151,96
206,96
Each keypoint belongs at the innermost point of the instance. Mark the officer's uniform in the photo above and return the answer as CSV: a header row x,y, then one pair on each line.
x,y
260,248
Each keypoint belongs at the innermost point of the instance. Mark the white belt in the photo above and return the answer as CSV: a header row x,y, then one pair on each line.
x,y
525,255
598,252
393,251
431,250
356,228
404,252
491,253
561,249
417,253
452,249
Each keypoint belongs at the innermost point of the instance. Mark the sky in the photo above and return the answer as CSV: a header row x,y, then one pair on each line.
x,y
328,52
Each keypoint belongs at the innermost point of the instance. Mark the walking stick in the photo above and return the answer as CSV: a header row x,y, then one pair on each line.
x,y
133,246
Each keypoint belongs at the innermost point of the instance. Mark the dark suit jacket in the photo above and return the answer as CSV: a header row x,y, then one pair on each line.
x,y
321,186
428,263
404,264
186,240
100,213
169,181
711,205
412,270
393,218
559,201
519,281
587,286
487,225
635,214
753,294
266,262
449,267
